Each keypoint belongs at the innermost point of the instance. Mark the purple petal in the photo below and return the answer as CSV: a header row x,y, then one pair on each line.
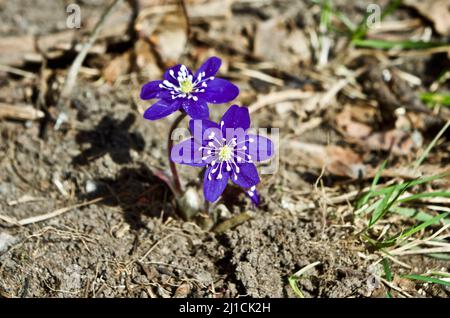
x,y
260,149
210,67
151,90
161,108
220,91
195,109
253,195
174,71
247,176
236,117
213,188
187,152
201,128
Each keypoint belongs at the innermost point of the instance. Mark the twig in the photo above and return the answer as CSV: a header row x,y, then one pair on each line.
x,y
398,289
278,97
258,75
393,259
25,199
233,222
16,71
431,250
9,220
186,16
409,246
44,217
154,246
75,67
20,112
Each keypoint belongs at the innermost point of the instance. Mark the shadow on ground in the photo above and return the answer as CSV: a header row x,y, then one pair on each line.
x,y
110,136
137,192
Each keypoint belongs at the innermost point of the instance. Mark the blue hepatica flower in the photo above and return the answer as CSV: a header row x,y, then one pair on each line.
x,y
181,89
227,150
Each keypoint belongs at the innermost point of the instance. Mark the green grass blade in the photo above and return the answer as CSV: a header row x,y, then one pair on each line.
x,y
415,213
418,196
293,283
362,29
427,279
412,183
325,16
390,8
293,278
375,180
387,45
387,270
395,240
441,256
441,274
381,208
431,145
436,98
387,274
386,203
423,225
345,20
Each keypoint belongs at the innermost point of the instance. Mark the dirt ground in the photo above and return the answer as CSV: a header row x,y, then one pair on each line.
x,y
132,242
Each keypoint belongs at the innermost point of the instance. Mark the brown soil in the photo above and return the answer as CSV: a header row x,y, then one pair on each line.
x,y
133,243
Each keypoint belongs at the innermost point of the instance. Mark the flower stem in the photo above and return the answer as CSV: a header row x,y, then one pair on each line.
x,y
207,205
173,167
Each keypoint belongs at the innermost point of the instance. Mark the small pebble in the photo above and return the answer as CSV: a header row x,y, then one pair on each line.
x,y
90,186
6,240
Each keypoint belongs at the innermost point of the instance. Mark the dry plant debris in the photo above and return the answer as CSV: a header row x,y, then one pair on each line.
x,y
359,205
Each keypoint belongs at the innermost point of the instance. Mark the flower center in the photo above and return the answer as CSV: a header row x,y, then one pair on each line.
x,y
225,153
186,86
222,154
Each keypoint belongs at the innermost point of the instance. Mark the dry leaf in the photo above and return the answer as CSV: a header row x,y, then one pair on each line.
x,y
344,162
336,160
437,11
274,43
146,60
208,9
349,127
117,67
399,142
170,37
